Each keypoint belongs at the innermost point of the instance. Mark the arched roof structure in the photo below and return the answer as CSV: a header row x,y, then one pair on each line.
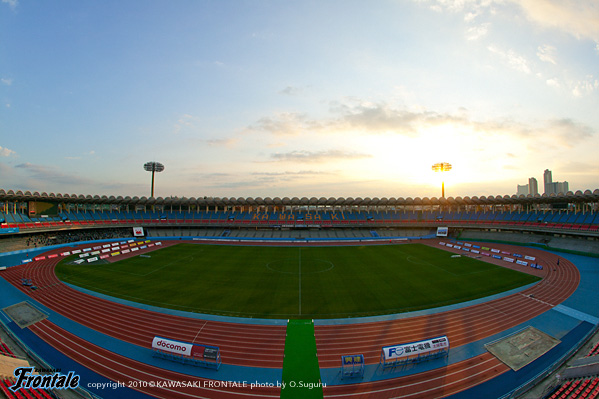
x,y
587,196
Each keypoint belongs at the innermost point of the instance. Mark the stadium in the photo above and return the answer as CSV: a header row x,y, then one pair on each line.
x,y
473,297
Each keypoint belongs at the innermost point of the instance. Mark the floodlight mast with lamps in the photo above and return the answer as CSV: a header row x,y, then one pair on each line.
x,y
442,167
153,167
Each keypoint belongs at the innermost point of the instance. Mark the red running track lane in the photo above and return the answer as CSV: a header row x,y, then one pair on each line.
x,y
461,326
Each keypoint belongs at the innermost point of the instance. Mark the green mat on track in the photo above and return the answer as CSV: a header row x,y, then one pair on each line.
x,y
301,374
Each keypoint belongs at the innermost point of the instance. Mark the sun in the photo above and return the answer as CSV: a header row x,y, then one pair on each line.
x,y
403,161
409,158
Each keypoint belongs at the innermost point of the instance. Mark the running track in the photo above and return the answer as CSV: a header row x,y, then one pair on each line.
x,y
262,346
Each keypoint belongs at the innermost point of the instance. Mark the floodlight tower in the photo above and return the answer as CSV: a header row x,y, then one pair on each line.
x,y
442,167
153,167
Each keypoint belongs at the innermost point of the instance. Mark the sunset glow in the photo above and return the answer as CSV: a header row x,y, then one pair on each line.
x,y
252,100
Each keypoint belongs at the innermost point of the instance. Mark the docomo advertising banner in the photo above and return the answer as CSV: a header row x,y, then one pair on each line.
x,y
416,348
168,345
178,347
138,231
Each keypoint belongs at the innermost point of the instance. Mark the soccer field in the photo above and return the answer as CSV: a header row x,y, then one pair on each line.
x,y
296,282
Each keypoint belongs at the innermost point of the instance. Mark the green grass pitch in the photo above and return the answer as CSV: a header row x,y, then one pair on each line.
x,y
296,282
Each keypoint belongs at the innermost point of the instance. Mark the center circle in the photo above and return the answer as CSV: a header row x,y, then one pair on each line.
x,y
293,266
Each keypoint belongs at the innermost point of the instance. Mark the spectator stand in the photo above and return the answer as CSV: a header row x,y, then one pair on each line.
x,y
594,350
587,388
28,393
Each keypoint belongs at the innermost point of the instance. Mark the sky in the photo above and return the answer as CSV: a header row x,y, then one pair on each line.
x,y
323,98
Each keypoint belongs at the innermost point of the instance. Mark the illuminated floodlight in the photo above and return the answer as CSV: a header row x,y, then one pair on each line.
x,y
154,167
442,167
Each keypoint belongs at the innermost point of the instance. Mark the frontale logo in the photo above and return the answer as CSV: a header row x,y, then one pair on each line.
x,y
26,379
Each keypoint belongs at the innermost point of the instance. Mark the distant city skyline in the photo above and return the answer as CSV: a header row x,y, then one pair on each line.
x,y
552,187
298,99
549,186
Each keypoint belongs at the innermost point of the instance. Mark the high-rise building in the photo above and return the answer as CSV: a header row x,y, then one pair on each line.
x,y
547,182
533,186
522,189
552,187
561,187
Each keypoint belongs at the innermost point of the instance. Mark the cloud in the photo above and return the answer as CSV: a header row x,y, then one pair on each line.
x,y
449,5
224,142
580,168
471,16
5,152
586,86
281,178
318,156
276,144
11,3
546,53
184,122
382,118
5,170
569,131
115,187
71,158
579,18
6,81
217,175
553,82
270,181
301,173
512,59
284,123
364,125
476,32
49,174
291,91
245,184
560,133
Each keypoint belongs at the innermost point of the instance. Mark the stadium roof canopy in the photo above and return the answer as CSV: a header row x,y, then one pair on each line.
x,y
587,196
